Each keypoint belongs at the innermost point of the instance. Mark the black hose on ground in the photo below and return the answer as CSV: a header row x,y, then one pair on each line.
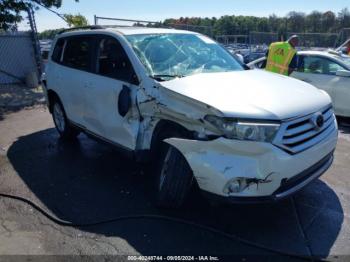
x,y
158,217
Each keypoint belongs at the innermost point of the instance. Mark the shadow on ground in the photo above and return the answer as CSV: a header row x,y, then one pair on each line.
x,y
85,182
15,97
344,124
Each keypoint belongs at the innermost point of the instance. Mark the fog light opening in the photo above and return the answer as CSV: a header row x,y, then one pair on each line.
x,y
235,185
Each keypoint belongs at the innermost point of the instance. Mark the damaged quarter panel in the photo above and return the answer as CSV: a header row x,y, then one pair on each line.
x,y
160,103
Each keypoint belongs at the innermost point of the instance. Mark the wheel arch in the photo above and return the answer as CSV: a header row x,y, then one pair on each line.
x,y
167,129
51,97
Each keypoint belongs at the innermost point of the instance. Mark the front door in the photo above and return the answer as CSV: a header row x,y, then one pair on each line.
x,y
114,74
311,70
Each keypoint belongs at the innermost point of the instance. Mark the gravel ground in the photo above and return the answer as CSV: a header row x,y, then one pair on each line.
x,y
14,97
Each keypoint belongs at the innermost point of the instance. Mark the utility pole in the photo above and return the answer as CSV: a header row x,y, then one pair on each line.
x,y
35,40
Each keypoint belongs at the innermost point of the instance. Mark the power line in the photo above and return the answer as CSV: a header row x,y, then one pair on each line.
x,y
49,9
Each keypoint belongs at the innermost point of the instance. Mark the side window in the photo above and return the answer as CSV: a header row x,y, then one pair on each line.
x,y
57,52
77,53
112,61
313,65
319,65
333,67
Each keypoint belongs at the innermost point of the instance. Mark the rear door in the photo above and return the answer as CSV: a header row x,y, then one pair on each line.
x,y
76,66
54,66
109,91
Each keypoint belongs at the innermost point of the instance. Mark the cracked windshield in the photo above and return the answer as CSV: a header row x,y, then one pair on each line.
x,y
167,56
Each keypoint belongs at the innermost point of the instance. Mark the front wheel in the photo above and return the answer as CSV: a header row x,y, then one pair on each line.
x,y
174,178
62,125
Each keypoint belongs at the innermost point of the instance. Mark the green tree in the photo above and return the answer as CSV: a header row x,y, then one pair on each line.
x,y
344,18
328,21
296,21
263,24
274,23
225,26
314,22
11,11
75,20
49,34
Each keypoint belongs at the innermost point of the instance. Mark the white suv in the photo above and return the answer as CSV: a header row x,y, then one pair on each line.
x,y
179,99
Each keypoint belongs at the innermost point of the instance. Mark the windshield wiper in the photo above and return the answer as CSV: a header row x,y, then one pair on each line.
x,y
161,77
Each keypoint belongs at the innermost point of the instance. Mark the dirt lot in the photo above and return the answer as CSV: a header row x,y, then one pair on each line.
x,y
14,97
86,182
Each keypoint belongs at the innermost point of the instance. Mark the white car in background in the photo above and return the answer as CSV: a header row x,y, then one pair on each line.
x,y
326,70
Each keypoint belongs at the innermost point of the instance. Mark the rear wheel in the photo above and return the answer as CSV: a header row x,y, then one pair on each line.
x,y
174,177
62,124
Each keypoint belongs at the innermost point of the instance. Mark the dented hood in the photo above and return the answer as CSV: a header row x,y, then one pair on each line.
x,y
252,94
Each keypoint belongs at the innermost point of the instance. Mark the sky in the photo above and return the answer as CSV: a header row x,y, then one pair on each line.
x,y
157,10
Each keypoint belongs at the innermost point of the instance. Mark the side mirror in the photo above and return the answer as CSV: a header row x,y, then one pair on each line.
x,y
344,73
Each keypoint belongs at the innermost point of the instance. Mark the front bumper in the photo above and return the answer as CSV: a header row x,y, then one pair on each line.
x,y
287,189
277,173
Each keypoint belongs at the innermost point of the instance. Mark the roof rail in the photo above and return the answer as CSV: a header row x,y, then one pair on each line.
x,y
90,27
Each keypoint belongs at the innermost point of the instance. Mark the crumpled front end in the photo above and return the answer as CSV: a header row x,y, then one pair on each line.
x,y
235,168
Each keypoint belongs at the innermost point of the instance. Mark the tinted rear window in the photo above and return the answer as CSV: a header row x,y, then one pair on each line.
x,y
57,52
77,53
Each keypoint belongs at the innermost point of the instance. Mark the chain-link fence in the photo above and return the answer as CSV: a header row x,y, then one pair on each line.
x,y
205,30
232,39
262,38
17,57
20,59
344,35
316,40
254,38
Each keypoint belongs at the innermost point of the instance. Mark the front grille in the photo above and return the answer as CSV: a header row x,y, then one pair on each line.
x,y
302,133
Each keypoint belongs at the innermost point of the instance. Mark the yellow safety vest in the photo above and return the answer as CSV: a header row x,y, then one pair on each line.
x,y
279,58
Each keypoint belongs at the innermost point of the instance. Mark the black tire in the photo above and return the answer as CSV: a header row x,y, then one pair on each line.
x,y
174,177
61,122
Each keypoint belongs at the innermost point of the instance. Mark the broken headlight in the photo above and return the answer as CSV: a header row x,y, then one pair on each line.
x,y
244,130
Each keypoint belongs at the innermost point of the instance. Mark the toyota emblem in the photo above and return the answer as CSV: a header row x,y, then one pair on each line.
x,y
318,121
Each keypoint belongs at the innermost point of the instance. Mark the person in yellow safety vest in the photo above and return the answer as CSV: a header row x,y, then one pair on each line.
x,y
281,56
